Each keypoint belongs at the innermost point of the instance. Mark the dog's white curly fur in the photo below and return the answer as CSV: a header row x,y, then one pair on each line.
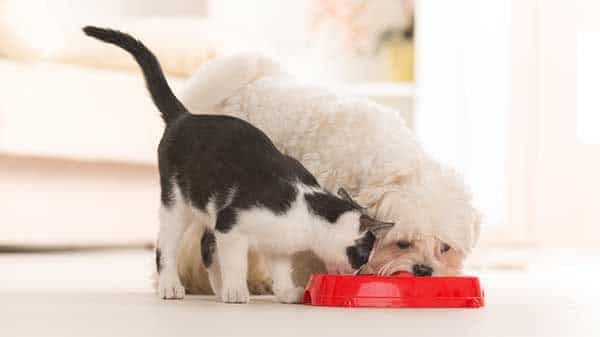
x,y
344,141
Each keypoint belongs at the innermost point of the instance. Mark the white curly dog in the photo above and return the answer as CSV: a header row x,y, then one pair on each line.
x,y
348,142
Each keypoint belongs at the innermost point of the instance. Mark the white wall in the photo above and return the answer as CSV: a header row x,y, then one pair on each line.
x,y
463,82
567,185
550,172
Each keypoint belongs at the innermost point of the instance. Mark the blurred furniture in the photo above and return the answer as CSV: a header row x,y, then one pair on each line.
x,y
78,133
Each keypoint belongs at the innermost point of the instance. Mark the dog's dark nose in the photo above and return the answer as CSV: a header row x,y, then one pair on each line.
x,y
422,270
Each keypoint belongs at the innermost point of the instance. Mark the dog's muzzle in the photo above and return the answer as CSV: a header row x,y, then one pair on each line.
x,y
422,270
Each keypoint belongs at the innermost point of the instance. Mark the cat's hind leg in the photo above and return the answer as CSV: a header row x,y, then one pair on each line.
x,y
174,220
283,286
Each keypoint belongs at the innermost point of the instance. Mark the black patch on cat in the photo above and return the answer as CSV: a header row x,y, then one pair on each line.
x,y
209,156
358,254
225,220
158,260
208,247
327,206
166,191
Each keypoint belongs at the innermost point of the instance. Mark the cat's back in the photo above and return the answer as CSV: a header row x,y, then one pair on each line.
x,y
216,133
228,145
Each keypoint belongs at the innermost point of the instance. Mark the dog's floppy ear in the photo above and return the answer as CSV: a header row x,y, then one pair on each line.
x,y
346,196
376,227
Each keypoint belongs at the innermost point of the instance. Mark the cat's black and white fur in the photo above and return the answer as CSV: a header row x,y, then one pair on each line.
x,y
224,174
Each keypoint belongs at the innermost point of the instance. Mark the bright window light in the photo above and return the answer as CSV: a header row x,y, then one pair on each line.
x,y
463,102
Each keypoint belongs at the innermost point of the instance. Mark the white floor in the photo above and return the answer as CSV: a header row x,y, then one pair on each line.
x,y
110,294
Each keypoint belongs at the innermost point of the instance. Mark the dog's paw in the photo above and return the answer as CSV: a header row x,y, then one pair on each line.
x,y
292,295
238,294
170,288
260,288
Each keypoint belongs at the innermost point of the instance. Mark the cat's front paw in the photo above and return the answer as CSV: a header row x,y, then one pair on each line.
x,y
291,295
239,294
170,288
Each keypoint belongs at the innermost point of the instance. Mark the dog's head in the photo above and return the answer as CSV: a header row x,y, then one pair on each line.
x,y
436,224
422,255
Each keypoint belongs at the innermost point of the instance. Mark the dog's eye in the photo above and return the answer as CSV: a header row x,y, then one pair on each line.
x,y
445,247
403,244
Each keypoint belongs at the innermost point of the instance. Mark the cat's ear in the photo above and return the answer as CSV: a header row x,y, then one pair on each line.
x,y
346,196
376,227
367,224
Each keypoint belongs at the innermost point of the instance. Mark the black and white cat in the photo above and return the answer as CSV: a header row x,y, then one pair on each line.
x,y
225,175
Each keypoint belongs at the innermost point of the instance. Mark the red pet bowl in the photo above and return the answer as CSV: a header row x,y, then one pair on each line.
x,y
405,291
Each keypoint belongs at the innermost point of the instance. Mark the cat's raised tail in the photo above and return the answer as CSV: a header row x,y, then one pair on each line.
x,y
162,95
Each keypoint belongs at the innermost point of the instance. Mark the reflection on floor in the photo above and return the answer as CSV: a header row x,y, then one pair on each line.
x,y
109,293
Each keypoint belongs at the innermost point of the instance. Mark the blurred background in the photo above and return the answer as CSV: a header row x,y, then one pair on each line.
x,y
505,91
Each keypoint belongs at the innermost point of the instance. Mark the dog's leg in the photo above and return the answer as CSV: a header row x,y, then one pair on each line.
x,y
283,285
173,223
232,253
259,274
